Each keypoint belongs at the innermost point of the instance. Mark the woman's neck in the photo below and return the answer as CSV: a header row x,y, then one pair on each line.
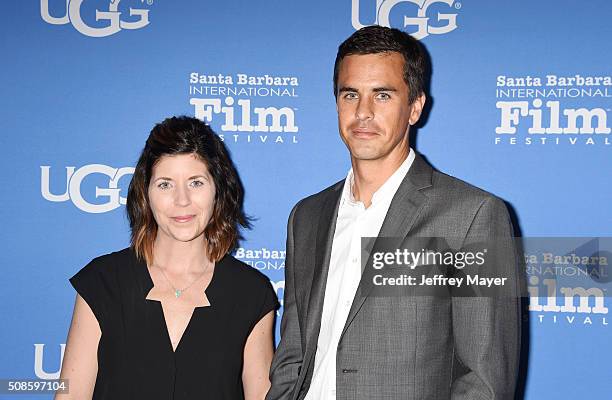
x,y
180,257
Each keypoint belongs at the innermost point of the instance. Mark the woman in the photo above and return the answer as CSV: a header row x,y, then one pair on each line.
x,y
174,316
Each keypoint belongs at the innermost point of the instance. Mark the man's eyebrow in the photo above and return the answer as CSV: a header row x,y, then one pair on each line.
x,y
347,89
384,89
376,90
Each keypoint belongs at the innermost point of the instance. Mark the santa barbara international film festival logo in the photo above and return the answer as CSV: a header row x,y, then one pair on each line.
x,y
93,188
553,110
90,21
247,108
568,280
426,17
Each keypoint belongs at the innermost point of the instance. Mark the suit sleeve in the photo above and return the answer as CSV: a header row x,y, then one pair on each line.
x,y
486,330
287,360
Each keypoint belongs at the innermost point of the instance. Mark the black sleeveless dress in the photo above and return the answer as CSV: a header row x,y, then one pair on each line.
x,y
135,356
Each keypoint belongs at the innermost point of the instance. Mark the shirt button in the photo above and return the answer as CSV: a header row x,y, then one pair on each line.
x,y
333,392
355,260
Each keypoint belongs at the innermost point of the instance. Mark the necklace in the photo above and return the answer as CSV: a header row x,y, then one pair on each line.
x,y
179,292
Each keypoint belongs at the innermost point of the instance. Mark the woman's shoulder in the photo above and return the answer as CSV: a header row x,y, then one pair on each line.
x,y
97,282
110,263
241,274
116,256
250,286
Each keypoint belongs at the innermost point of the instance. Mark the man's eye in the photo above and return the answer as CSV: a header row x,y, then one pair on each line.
x,y
383,96
350,96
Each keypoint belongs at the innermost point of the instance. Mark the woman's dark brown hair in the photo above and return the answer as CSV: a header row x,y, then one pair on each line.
x,y
186,135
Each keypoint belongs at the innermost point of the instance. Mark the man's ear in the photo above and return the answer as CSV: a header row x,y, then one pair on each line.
x,y
416,108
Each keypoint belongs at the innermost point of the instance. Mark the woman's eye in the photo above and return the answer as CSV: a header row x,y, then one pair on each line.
x,y
197,183
163,185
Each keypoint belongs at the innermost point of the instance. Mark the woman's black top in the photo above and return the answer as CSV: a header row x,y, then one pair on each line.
x,y
135,356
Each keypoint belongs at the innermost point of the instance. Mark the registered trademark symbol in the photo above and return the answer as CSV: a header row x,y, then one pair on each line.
x,y
149,2
457,6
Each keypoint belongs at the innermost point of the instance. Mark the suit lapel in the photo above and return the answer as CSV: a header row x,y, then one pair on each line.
x,y
403,211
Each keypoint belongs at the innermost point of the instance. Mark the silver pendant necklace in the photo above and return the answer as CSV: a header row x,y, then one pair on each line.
x,y
179,292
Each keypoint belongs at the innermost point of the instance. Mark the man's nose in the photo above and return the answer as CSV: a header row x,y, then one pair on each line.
x,y
364,110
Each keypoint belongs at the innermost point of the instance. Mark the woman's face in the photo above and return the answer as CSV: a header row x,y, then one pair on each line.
x,y
182,197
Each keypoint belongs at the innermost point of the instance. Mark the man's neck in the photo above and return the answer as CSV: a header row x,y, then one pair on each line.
x,y
370,175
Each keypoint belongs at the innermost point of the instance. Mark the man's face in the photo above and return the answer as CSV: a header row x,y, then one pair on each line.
x,y
374,115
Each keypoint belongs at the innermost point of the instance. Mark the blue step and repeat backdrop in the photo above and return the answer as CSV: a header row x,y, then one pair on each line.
x,y
520,107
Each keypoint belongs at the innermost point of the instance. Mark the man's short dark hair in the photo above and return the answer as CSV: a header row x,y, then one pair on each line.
x,y
376,39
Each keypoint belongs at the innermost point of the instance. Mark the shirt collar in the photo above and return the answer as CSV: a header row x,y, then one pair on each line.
x,y
386,191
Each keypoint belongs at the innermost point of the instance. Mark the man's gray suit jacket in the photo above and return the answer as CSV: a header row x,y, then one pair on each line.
x,y
401,347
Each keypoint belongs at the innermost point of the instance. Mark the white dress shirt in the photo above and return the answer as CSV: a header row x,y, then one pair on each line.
x,y
354,222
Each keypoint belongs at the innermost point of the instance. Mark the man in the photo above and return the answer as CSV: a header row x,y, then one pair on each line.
x,y
336,340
